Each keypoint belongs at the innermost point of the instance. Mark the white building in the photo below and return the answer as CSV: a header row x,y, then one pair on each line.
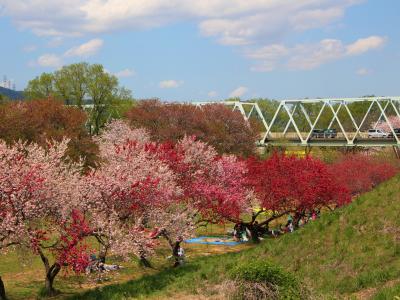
x,y
8,84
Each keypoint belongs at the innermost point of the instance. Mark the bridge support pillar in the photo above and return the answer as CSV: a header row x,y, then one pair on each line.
x,y
307,150
396,150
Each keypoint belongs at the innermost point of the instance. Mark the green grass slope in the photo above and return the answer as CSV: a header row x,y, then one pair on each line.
x,y
353,253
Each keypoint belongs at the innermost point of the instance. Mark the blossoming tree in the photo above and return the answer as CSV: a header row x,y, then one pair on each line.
x,y
287,184
124,189
384,125
213,187
37,198
144,190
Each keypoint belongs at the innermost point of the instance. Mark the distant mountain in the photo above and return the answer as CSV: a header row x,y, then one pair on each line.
x,y
13,95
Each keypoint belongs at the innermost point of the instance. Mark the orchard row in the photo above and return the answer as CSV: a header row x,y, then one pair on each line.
x,y
142,191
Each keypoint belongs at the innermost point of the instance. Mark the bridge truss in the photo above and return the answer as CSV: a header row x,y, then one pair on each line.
x,y
297,107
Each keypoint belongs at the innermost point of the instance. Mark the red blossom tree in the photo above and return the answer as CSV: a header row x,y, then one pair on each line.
x,y
287,184
213,186
360,173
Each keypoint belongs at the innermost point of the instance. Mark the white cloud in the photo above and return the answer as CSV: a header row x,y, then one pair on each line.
x,y
55,42
49,60
269,56
228,20
314,18
85,50
309,56
125,73
238,92
29,48
212,94
170,84
363,72
259,24
363,45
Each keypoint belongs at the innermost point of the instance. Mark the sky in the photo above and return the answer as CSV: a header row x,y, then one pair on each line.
x,y
208,50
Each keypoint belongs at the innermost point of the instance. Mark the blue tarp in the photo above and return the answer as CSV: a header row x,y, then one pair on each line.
x,y
213,240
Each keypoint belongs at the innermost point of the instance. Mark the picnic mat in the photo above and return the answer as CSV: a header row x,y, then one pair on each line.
x,y
213,240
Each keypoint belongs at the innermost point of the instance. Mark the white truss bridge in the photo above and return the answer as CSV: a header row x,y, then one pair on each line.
x,y
343,138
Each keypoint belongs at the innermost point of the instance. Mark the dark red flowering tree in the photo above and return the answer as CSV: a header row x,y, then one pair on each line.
x,y
215,124
287,184
360,172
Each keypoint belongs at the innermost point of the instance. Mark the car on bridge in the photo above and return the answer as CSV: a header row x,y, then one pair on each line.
x,y
377,133
324,133
396,131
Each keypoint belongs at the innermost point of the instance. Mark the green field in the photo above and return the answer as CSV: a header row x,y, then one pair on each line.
x,y
352,253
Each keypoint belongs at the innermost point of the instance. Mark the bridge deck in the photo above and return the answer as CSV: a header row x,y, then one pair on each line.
x,y
331,143
360,140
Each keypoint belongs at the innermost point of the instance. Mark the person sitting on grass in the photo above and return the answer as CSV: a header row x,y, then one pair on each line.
x,y
290,227
97,265
277,231
239,232
257,232
313,216
178,253
289,220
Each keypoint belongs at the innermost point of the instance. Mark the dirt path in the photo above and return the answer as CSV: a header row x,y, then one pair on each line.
x,y
368,293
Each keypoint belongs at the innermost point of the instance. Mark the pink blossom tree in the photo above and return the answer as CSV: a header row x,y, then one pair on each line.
x,y
121,194
384,125
37,197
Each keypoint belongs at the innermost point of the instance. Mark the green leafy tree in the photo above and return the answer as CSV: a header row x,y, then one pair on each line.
x,y
41,87
70,82
80,84
102,89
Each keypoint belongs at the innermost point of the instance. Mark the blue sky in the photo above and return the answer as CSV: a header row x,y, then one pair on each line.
x,y
181,50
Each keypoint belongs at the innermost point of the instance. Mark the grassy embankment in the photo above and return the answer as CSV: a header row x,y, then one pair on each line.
x,y
353,252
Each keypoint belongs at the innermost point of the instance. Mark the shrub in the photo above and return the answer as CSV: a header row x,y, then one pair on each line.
x,y
260,279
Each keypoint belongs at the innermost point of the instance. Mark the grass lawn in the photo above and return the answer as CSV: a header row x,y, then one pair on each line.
x,y
352,253
23,273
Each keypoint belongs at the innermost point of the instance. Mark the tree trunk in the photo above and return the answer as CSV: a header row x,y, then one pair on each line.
x,y
51,273
142,258
172,245
103,254
144,262
254,231
2,290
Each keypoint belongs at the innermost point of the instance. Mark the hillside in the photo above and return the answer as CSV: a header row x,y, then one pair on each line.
x,y
353,252
13,95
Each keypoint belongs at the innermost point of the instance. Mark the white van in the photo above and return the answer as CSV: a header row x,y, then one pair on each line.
x,y
377,133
